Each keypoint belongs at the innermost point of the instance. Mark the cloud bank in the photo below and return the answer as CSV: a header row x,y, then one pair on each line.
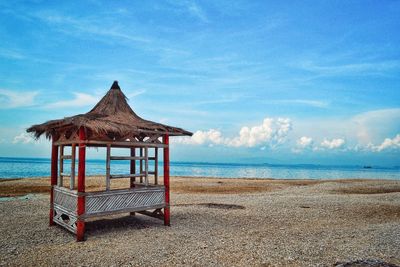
x,y
274,131
271,131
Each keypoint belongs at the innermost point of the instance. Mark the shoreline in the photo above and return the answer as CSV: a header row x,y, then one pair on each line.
x,y
16,187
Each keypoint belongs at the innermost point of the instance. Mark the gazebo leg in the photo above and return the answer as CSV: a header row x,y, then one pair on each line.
x,y
53,180
166,180
133,171
80,224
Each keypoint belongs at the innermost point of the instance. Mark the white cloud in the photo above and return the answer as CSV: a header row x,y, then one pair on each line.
x,y
332,144
23,138
12,99
304,142
387,144
202,137
80,100
253,136
272,131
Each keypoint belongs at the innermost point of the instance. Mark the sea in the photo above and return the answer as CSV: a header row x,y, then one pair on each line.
x,y
40,167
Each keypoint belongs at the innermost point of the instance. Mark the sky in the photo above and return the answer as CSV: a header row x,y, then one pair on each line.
x,y
314,82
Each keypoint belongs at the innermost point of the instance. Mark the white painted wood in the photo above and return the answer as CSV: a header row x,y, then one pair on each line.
x,y
125,158
117,176
73,158
141,164
108,167
61,167
156,166
146,167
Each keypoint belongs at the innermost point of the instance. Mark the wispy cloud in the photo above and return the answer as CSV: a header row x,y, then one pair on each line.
x,y
11,54
196,11
80,100
69,24
220,100
12,99
192,8
83,100
134,94
365,68
23,138
305,102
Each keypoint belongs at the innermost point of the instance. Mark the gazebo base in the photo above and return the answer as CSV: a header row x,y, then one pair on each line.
x,y
138,199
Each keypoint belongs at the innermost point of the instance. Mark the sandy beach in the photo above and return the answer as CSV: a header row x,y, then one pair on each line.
x,y
215,222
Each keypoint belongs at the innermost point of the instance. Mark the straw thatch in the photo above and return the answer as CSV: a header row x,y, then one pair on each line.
x,y
111,119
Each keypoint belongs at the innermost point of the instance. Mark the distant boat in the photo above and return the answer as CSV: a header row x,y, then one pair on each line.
x,y
367,167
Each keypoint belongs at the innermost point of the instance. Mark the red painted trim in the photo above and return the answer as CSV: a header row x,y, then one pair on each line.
x,y
53,180
166,180
80,231
81,164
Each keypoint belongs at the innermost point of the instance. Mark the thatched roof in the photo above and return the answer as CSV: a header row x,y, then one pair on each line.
x,y
112,118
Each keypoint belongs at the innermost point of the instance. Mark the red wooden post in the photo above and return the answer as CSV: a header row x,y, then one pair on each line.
x,y
53,179
166,180
80,224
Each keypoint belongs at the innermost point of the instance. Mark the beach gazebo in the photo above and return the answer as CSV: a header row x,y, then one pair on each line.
x,y
110,124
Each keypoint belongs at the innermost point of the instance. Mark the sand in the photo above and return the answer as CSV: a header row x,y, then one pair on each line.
x,y
216,222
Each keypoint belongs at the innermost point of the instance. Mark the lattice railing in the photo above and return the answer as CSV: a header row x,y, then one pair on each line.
x,y
113,201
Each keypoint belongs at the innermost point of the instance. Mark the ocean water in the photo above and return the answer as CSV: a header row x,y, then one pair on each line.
x,y
38,167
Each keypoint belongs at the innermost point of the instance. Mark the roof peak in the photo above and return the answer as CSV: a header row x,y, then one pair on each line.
x,y
115,85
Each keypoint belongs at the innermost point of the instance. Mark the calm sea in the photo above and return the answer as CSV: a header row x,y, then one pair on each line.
x,y
37,167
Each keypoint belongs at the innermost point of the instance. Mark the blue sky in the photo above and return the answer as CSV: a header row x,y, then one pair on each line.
x,y
256,81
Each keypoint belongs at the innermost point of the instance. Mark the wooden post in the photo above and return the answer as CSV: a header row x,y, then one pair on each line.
x,y
166,180
133,167
146,166
80,224
61,169
133,171
156,165
53,180
141,163
108,167
73,157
